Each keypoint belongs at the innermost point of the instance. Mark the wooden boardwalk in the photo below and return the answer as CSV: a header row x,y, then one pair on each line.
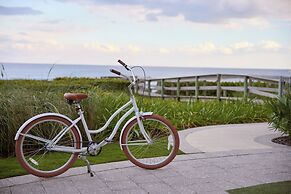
x,y
214,86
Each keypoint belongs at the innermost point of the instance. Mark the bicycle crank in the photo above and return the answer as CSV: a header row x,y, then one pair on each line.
x,y
93,149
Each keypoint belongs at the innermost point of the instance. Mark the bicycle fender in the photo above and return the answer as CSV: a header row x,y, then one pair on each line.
x,y
131,119
42,115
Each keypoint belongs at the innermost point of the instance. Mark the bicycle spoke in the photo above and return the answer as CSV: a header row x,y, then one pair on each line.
x,y
34,153
39,159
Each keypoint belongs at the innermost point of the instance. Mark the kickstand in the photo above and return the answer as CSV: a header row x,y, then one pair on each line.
x,y
84,158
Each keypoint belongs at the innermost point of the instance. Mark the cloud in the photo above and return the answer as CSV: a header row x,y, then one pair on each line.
x,y
4,38
242,46
31,48
258,22
112,48
207,48
226,50
51,22
18,11
107,48
164,50
203,48
270,45
134,49
211,11
35,47
24,42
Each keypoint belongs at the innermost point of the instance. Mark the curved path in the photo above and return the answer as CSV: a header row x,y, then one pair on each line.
x,y
232,137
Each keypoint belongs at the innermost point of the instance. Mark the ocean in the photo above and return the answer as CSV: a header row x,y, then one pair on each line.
x,y
49,71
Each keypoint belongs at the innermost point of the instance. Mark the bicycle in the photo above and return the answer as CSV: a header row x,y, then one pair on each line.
x,y
55,139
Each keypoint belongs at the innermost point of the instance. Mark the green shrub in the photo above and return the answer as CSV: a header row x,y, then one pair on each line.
x,y
281,114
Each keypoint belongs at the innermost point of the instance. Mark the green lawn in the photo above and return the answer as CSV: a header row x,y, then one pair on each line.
x,y
110,153
271,188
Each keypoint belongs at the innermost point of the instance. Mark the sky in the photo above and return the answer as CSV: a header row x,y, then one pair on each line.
x,y
181,33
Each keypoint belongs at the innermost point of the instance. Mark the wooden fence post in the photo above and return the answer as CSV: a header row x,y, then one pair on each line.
x,y
196,87
187,91
224,93
172,91
204,91
178,89
162,89
280,87
149,88
218,92
246,87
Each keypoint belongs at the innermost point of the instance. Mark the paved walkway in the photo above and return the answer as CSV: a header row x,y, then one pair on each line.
x,y
228,138
210,172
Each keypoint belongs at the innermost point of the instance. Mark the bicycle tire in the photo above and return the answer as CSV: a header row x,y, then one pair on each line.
x,y
30,164
128,148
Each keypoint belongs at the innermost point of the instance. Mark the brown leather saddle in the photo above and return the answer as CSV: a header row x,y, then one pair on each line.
x,y
75,97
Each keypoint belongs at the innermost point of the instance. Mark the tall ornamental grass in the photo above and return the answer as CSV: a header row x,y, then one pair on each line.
x,y
21,101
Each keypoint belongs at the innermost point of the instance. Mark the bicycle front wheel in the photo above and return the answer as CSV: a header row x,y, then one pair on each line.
x,y
160,151
33,151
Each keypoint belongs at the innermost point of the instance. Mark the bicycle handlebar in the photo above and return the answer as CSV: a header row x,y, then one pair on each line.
x,y
123,64
131,79
114,71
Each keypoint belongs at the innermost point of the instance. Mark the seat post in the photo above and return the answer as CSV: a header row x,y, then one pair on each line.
x,y
78,108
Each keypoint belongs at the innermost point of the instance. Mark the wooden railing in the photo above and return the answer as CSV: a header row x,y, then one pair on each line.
x,y
215,86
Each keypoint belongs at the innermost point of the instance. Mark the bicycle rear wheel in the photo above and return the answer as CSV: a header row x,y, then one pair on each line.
x,y
160,152
32,149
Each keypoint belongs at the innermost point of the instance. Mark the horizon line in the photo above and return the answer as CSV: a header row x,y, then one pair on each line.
x,y
74,64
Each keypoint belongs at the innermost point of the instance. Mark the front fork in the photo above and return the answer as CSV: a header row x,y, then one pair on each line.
x,y
139,120
141,127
